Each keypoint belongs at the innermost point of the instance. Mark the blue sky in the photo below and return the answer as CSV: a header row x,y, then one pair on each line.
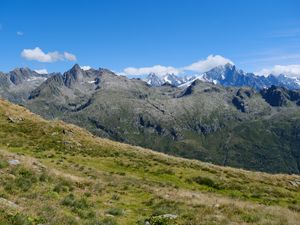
x,y
117,34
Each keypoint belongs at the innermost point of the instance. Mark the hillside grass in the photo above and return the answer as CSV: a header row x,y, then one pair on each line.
x,y
68,176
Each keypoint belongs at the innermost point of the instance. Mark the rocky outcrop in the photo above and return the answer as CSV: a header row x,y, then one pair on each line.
x,y
279,96
240,100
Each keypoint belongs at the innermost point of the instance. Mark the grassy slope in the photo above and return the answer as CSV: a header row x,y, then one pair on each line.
x,y
200,123
68,176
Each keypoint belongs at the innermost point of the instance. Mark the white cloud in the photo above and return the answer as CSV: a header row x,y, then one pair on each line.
x,y
288,70
20,33
207,64
42,71
201,66
85,67
69,56
40,56
157,69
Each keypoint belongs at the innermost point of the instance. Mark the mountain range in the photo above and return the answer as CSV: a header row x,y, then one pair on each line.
x,y
227,75
18,83
223,123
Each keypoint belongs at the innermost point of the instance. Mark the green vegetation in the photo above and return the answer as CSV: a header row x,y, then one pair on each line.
x,y
206,124
68,176
206,181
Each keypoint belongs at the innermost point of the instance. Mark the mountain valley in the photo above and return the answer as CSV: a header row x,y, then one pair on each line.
x,y
234,126
58,173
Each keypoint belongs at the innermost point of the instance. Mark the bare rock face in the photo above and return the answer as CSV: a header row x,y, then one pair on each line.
x,y
279,96
240,100
14,119
17,84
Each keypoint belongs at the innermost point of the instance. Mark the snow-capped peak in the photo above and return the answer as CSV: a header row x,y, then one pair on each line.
x,y
155,80
226,75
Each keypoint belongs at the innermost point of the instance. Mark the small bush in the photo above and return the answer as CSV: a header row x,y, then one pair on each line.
x,y
164,171
52,194
161,207
107,221
86,214
25,179
3,164
63,186
87,194
250,218
206,181
44,177
295,207
9,187
79,206
60,188
115,212
115,197
68,200
21,219
24,184
18,219
159,220
121,173
71,201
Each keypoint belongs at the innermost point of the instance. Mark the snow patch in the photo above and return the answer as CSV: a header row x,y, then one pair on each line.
x,y
36,78
85,68
41,71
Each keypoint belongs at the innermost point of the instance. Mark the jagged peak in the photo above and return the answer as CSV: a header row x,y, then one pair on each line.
x,y
76,67
106,70
152,74
229,65
22,70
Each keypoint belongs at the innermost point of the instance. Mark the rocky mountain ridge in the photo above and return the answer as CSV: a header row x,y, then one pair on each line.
x,y
229,76
236,126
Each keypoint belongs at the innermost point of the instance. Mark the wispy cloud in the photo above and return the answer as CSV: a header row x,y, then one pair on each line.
x,y
272,58
207,64
200,66
37,54
20,33
212,61
157,69
288,70
70,57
